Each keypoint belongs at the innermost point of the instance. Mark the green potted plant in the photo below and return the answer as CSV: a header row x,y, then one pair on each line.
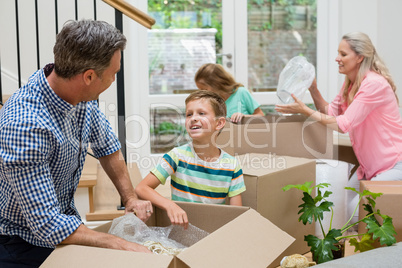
x,y
313,208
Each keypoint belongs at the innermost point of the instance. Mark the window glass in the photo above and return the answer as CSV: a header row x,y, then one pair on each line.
x,y
278,30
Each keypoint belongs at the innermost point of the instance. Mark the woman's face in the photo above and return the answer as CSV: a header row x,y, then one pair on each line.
x,y
348,61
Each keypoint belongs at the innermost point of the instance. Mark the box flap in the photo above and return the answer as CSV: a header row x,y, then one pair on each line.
x,y
385,187
200,215
262,164
82,256
250,240
273,118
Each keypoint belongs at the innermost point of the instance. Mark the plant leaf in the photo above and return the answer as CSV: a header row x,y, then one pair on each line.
x,y
370,211
305,187
322,248
364,193
371,202
365,244
326,194
385,232
321,197
312,212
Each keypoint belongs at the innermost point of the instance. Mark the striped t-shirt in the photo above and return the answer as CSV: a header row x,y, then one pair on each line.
x,y
199,181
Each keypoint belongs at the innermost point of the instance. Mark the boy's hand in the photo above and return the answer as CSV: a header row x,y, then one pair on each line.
x,y
177,215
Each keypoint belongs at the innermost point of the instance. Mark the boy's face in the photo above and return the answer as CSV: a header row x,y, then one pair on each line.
x,y
201,122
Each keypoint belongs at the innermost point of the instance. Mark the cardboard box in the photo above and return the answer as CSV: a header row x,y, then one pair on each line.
x,y
389,203
239,237
264,176
293,135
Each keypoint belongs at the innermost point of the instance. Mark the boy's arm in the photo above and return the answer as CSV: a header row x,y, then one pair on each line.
x,y
146,190
235,200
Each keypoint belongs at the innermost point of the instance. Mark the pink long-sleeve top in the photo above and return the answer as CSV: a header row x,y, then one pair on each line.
x,y
373,123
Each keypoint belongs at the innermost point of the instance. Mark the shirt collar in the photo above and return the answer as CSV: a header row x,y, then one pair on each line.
x,y
48,93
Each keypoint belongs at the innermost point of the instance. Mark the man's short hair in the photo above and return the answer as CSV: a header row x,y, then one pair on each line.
x,y
86,44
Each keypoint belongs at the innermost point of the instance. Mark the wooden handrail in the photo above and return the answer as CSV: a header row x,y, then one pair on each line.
x,y
132,12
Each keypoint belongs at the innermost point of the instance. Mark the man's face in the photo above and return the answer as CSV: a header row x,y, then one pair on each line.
x,y
108,76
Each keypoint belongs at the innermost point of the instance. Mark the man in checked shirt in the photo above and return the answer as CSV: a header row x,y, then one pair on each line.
x,y
45,130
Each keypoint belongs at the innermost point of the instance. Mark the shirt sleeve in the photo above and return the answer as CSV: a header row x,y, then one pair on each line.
x,y
25,149
166,167
249,101
237,185
102,138
369,97
335,107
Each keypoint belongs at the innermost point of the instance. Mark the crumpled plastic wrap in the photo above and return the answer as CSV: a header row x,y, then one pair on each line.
x,y
173,238
295,78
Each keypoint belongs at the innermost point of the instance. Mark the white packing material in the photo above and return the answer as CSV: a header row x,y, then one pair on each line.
x,y
169,240
337,174
295,78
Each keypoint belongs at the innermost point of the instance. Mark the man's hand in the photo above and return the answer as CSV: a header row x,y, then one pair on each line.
x,y
142,208
137,248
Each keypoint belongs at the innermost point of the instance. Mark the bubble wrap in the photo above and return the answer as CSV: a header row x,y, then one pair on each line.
x,y
132,229
295,78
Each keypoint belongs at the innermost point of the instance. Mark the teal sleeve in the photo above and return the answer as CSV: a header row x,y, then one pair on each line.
x,y
249,102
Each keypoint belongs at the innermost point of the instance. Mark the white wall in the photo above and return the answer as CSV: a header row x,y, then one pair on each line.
x,y
377,18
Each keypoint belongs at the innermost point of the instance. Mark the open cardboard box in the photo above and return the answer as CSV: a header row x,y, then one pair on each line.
x,y
239,237
389,203
292,135
265,175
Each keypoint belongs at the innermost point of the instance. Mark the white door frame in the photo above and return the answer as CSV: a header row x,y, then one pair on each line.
x,y
138,99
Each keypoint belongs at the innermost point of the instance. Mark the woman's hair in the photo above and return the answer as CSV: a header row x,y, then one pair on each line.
x,y
86,44
361,44
215,76
216,101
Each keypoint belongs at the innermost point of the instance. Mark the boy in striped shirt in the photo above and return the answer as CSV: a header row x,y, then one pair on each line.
x,y
200,171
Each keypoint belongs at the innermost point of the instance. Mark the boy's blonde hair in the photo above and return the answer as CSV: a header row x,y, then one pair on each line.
x,y
215,76
216,101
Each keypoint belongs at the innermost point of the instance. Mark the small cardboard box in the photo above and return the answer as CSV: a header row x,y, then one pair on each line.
x,y
265,175
239,237
389,203
293,135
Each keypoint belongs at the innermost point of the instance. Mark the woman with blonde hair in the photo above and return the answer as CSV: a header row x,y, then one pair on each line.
x,y
366,108
239,101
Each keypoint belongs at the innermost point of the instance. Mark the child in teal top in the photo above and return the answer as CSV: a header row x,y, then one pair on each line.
x,y
239,101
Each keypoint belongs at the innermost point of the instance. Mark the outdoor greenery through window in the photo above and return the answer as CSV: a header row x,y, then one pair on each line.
x,y
188,33
278,30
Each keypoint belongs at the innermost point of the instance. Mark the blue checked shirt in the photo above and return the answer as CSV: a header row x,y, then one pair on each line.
x,y
43,144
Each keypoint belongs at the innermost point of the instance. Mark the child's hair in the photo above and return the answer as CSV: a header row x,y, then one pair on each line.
x,y
215,76
216,101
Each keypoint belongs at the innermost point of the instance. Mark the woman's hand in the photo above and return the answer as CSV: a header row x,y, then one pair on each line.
x,y
177,215
294,108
